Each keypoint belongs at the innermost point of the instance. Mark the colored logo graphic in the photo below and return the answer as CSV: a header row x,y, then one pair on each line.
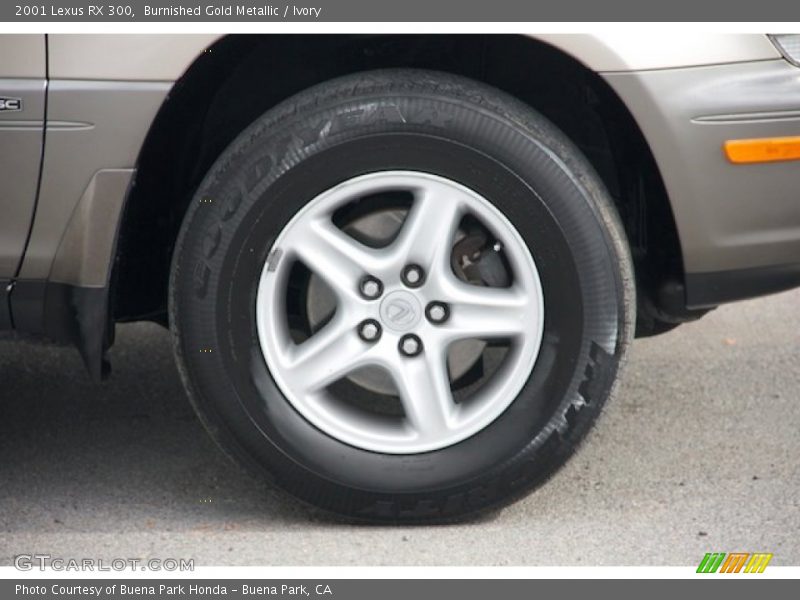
x,y
735,562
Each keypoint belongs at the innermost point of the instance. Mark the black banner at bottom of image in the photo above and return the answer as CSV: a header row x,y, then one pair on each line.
x,y
384,589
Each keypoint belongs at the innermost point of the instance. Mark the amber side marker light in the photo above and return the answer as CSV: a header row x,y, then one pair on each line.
x,y
763,150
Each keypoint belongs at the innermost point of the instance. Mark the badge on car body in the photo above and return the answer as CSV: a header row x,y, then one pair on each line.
x,y
9,104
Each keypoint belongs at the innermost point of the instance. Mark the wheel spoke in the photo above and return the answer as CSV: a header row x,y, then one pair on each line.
x,y
424,390
428,230
326,356
487,313
334,256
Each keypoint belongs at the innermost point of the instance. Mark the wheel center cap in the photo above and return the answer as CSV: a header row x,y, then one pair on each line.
x,y
400,311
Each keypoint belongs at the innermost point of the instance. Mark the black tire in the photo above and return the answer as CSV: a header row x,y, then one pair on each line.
x,y
412,120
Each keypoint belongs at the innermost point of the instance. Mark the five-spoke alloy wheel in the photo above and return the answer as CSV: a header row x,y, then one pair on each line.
x,y
379,320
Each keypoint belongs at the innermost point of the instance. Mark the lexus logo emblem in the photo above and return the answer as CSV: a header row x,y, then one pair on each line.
x,y
400,312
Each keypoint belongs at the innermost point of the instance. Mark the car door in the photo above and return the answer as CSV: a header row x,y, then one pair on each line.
x,y
23,85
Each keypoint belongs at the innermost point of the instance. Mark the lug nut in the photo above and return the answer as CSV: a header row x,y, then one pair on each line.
x,y
437,312
410,345
413,275
369,330
370,287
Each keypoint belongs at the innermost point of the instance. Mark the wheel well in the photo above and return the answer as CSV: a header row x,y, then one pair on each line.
x,y
241,77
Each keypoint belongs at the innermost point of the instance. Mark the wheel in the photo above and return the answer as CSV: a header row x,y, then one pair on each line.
x,y
402,296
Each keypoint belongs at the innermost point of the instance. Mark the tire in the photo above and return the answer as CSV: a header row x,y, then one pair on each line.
x,y
234,320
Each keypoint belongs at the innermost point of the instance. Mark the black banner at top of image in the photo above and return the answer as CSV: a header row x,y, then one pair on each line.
x,y
262,11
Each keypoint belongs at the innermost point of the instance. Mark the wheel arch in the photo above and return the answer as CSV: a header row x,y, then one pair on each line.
x,y
238,78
